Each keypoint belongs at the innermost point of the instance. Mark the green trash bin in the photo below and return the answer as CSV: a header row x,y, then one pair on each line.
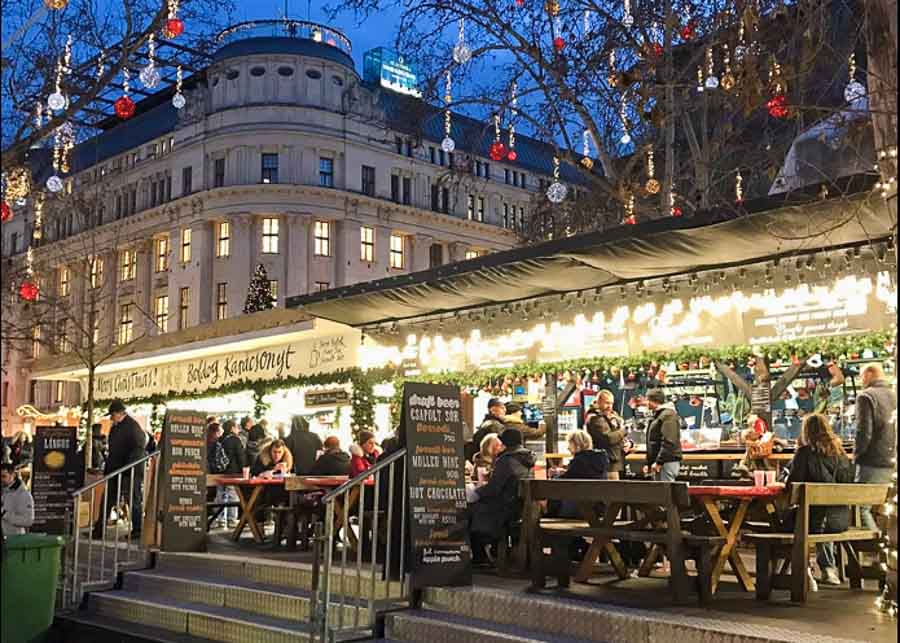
x,y
30,572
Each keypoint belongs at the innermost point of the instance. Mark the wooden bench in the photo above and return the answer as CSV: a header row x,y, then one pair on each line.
x,y
793,548
660,505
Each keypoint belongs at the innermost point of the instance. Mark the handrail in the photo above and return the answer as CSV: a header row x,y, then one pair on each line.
x,y
106,477
375,468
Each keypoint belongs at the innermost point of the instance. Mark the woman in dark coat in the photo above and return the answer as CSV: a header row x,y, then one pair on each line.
x,y
587,464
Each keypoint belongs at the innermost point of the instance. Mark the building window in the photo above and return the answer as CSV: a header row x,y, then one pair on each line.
x,y
36,333
219,173
471,254
398,141
223,239
184,307
185,245
486,169
126,324
435,198
432,154
445,200
60,392
442,156
436,255
64,287
368,180
270,168
322,237
321,286
221,301
273,288
506,174
506,215
326,172
118,210
409,148
96,272
470,207
62,336
153,194
187,180
162,254
479,214
161,313
521,219
127,264
270,235
395,188
367,244
407,190
397,251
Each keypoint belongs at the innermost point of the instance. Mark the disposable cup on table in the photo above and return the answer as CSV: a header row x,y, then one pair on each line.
x,y
771,478
245,472
759,478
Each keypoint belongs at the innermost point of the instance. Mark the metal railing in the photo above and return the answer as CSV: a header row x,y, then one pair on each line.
x,y
346,598
95,559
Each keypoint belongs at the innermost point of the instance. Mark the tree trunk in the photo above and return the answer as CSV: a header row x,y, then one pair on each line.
x,y
89,433
881,36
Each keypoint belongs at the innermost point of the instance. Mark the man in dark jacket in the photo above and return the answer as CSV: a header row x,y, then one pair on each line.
x,y
334,462
513,420
497,503
607,431
663,438
244,432
876,433
237,460
304,446
492,423
127,444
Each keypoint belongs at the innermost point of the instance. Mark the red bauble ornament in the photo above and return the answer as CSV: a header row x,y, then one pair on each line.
x,y
657,50
632,220
28,291
777,106
520,3
689,30
559,43
174,27
676,211
124,107
511,155
498,151
6,212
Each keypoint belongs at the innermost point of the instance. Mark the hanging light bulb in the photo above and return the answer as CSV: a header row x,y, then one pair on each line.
x,y
178,100
448,144
712,82
461,52
149,75
557,191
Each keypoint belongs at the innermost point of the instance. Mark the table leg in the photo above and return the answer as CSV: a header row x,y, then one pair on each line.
x,y
248,506
351,497
728,552
598,546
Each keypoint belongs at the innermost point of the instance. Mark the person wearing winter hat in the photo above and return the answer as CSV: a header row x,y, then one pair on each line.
x,y
663,438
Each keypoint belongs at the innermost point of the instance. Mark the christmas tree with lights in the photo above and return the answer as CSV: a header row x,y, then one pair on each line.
x,y
259,294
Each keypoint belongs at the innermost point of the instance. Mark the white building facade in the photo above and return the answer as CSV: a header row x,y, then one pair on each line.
x,y
283,156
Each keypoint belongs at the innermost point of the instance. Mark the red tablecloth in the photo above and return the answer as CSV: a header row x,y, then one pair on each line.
x,y
736,491
230,480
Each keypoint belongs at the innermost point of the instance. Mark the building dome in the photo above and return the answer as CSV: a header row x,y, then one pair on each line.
x,y
288,37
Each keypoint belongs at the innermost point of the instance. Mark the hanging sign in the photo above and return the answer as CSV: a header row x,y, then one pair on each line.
x,y
182,505
55,473
332,397
436,489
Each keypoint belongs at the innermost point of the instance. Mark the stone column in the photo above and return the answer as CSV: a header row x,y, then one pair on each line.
x,y
202,257
143,289
421,247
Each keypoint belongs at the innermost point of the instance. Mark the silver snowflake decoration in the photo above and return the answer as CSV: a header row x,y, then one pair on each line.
x,y
557,192
54,184
448,144
854,91
178,101
149,76
628,21
712,82
462,54
56,101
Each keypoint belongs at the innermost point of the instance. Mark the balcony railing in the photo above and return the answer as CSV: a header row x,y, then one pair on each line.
x,y
301,29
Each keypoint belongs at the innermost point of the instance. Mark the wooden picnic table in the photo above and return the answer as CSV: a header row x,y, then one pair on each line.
x,y
298,486
248,491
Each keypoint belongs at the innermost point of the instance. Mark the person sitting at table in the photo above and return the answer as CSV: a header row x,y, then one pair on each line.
x,y
497,504
274,460
492,423
822,459
587,463
334,462
363,454
483,461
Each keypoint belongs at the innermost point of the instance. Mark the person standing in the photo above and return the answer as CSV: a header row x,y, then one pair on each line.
x,y
513,420
17,503
663,438
21,450
607,431
876,433
237,460
127,444
304,445
492,423
244,432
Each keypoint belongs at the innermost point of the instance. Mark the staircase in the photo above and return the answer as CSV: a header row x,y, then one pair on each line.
x,y
228,599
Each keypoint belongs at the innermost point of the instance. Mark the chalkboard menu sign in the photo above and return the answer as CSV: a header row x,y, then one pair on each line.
x,y
56,472
433,435
182,503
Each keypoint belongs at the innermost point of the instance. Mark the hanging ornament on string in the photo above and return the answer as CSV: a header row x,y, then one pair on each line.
x,y
559,43
178,101
728,80
17,184
586,26
461,52
124,106
28,289
689,28
630,217
652,186
520,3
712,81
623,117
854,91
511,154
701,87
174,26
612,77
497,151
740,51
627,18
586,160
738,187
6,213
57,101
557,191
149,75
777,104
448,144
54,5
674,210
552,7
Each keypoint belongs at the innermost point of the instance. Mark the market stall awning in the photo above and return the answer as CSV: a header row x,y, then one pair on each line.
x,y
664,248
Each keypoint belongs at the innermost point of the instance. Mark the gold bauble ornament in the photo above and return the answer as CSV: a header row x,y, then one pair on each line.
x,y
56,4
652,186
18,184
587,162
552,7
727,82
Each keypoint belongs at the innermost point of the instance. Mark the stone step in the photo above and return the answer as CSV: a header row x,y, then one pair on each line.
x,y
278,573
256,598
213,623
438,627
82,626
591,621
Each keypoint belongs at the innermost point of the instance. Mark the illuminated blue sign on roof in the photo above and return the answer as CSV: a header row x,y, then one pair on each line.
x,y
390,70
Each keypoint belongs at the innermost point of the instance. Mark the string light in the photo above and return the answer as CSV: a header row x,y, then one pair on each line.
x,y
712,82
739,187
557,191
612,78
178,100
886,602
700,86
854,91
586,160
511,155
652,186
461,51
728,80
448,144
627,18
623,116
630,218
149,75
887,165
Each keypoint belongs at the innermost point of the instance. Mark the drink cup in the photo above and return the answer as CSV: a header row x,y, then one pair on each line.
x,y
771,477
759,478
245,472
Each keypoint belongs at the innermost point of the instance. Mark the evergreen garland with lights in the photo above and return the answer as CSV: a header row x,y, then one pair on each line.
x,y
259,294
362,404
887,601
